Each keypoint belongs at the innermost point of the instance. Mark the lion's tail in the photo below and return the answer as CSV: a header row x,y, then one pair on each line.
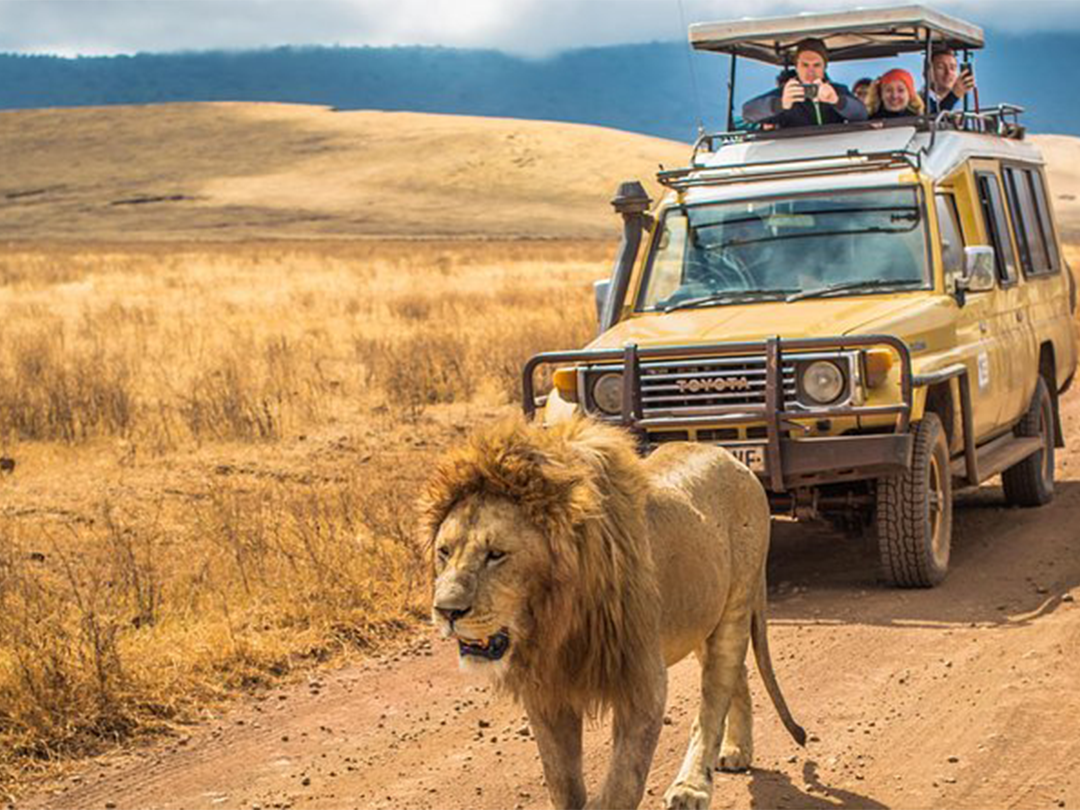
x,y
759,635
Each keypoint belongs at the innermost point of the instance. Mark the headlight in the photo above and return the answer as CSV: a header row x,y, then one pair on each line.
x,y
823,382
607,393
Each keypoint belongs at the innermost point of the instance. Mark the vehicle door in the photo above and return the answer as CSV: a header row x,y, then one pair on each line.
x,y
1046,290
1009,318
978,343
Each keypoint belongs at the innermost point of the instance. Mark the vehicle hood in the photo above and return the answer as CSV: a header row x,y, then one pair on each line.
x,y
821,317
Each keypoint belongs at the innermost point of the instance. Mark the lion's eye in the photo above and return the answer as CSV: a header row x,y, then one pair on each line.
x,y
444,553
494,556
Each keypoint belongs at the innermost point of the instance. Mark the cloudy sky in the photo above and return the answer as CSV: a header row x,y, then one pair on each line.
x,y
528,27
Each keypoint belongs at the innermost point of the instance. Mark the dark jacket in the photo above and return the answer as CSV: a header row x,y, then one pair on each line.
x,y
884,113
947,103
768,109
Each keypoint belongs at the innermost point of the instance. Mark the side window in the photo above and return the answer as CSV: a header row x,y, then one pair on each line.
x,y
1030,235
952,242
1021,227
997,227
1046,224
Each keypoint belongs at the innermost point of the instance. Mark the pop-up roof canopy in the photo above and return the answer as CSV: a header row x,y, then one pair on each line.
x,y
860,34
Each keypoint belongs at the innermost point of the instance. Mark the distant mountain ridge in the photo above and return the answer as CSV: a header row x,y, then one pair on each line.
x,y
645,88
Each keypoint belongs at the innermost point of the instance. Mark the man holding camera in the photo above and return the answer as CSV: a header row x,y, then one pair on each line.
x,y
809,99
948,82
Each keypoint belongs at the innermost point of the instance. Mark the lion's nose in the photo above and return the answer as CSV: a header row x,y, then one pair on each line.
x,y
452,614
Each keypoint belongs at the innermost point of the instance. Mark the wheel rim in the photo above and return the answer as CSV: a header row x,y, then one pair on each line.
x,y
939,541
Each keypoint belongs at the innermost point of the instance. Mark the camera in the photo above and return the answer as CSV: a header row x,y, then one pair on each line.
x,y
811,91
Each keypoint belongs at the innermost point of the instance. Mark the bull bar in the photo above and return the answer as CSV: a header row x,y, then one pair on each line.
x,y
788,462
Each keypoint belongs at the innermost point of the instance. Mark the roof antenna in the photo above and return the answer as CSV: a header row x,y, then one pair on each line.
x,y
693,74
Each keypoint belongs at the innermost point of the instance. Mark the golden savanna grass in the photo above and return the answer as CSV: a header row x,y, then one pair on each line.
x,y
217,450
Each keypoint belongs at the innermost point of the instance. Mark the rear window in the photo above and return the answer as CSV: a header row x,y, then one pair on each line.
x,y
1031,235
1046,224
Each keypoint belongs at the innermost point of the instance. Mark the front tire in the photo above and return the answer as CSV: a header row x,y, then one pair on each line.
x,y
1031,482
914,512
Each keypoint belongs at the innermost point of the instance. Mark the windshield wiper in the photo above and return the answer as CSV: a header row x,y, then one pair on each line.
x,y
852,285
728,296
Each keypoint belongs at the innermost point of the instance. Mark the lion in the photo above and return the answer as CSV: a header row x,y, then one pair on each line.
x,y
574,572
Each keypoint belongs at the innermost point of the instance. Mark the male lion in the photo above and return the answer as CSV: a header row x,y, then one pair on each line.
x,y
576,572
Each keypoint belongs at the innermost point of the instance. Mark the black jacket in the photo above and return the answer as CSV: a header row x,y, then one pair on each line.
x,y
884,113
768,109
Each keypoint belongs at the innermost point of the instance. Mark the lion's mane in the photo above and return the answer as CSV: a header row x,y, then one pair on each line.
x,y
594,609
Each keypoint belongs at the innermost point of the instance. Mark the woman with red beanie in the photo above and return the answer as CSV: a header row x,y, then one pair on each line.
x,y
894,96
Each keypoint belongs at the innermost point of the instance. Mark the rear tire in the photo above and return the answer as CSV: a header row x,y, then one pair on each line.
x,y
914,512
1031,482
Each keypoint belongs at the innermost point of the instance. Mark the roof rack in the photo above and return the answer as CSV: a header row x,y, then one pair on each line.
x,y
1000,121
850,161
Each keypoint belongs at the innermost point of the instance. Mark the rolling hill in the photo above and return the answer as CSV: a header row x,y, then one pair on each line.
x,y
242,170
208,171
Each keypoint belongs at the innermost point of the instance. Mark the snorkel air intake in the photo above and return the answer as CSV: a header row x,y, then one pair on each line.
x,y
632,203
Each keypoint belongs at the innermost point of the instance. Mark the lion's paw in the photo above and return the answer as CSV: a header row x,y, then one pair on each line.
x,y
734,760
682,796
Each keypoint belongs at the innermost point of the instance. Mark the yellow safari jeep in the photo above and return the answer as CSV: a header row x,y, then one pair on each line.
x,y
870,316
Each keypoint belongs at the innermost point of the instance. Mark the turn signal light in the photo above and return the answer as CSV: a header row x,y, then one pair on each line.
x,y
565,380
878,364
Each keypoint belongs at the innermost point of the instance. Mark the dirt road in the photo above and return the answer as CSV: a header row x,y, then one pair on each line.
x,y
964,696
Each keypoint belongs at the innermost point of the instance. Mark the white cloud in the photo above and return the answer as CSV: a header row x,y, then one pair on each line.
x,y
532,27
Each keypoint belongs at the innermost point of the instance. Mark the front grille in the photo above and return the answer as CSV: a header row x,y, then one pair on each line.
x,y
718,435
661,436
697,387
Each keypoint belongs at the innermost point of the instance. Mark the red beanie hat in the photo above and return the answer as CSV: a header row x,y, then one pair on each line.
x,y
899,75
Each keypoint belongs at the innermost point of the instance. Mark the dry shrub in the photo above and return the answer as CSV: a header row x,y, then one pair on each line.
x,y
126,624
48,391
252,343
453,346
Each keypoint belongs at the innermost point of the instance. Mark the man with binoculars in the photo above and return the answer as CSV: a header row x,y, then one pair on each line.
x,y
807,99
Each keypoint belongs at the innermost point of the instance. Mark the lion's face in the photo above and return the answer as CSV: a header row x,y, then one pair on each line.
x,y
487,558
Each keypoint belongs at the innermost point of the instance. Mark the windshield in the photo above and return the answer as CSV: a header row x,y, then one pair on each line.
x,y
843,243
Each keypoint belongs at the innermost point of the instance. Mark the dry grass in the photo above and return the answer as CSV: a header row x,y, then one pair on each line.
x,y
166,345
217,452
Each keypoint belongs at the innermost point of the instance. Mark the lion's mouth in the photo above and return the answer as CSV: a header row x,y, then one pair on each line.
x,y
493,648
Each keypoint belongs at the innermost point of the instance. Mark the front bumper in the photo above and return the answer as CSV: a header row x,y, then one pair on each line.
x,y
788,462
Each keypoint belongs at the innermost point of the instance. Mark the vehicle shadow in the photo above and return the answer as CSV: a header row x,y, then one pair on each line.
x,y
1009,566
774,789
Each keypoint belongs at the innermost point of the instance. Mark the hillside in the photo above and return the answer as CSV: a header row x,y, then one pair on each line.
x,y
645,87
231,170
251,171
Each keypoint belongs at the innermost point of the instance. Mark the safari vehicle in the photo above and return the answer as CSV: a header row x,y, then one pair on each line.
x,y
872,316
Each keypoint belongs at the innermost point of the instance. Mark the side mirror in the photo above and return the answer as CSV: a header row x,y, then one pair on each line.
x,y
979,274
600,293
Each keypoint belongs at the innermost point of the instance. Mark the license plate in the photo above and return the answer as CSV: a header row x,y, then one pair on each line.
x,y
753,456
